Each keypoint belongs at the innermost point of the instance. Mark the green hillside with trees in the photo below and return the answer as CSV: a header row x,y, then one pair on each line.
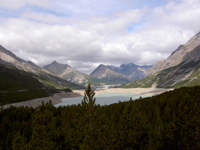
x,y
169,121
17,86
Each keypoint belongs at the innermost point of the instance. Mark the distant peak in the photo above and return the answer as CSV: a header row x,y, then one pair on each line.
x,y
101,66
129,64
54,62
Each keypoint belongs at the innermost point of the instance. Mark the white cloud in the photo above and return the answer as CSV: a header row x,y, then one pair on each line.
x,y
84,43
45,18
16,4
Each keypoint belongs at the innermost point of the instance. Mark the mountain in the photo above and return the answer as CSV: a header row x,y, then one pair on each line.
x,y
123,74
131,70
66,72
105,73
16,64
177,56
181,68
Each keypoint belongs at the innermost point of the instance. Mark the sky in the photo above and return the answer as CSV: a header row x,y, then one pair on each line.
x,y
86,33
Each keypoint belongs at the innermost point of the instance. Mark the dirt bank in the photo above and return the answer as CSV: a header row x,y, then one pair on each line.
x,y
56,98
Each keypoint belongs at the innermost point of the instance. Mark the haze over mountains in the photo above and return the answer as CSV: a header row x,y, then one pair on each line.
x,y
181,68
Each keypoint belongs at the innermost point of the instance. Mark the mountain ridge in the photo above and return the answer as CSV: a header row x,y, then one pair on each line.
x,y
177,56
175,71
10,59
66,72
120,75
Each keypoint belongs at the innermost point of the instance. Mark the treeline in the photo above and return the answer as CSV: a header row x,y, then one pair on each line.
x,y
167,121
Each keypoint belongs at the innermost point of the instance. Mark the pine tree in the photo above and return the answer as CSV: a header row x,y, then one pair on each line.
x,y
43,128
89,100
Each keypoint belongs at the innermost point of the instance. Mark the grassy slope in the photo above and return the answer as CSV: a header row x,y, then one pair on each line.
x,y
16,86
172,77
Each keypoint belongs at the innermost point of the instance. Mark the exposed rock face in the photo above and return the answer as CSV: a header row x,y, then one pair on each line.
x,y
19,63
9,59
177,56
104,72
68,73
192,55
126,72
131,70
56,68
182,68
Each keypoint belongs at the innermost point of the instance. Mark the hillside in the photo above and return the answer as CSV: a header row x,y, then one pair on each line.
x,y
66,72
177,57
181,68
169,121
105,73
17,85
131,70
22,80
9,59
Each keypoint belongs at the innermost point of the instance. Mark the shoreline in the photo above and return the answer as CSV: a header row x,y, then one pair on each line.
x,y
57,97
136,91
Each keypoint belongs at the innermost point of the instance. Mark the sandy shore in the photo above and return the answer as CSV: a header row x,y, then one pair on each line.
x,y
136,91
56,98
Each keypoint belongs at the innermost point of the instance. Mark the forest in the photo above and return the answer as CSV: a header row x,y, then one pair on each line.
x,y
167,121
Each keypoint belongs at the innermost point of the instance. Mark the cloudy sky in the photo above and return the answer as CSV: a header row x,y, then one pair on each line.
x,y
86,33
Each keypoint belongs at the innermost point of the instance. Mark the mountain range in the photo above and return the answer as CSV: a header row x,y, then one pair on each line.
x,y
101,75
181,68
17,65
66,72
123,74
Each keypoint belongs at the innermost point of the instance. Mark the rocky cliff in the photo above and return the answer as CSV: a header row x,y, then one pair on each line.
x,y
10,60
66,72
178,56
105,73
181,68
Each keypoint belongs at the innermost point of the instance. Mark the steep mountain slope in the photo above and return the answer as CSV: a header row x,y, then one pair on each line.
x,y
68,73
177,56
105,73
182,68
131,70
8,59
17,85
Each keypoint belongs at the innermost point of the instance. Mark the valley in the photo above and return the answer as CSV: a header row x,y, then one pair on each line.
x,y
99,75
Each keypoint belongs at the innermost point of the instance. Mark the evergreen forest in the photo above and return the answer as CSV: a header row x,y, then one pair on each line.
x,y
170,121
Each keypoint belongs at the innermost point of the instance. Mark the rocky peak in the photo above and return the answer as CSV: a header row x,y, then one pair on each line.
x,y
99,70
177,56
56,68
128,65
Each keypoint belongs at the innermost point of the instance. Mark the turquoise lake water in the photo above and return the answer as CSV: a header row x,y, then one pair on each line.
x,y
102,99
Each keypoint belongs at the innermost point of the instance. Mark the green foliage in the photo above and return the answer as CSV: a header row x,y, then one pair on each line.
x,y
166,121
19,96
143,83
88,100
173,77
13,79
43,125
18,86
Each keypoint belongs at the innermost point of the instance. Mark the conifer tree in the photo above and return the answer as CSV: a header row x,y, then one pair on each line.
x,y
43,128
89,100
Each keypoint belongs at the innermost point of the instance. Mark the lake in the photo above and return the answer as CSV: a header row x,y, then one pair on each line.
x,y
102,99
